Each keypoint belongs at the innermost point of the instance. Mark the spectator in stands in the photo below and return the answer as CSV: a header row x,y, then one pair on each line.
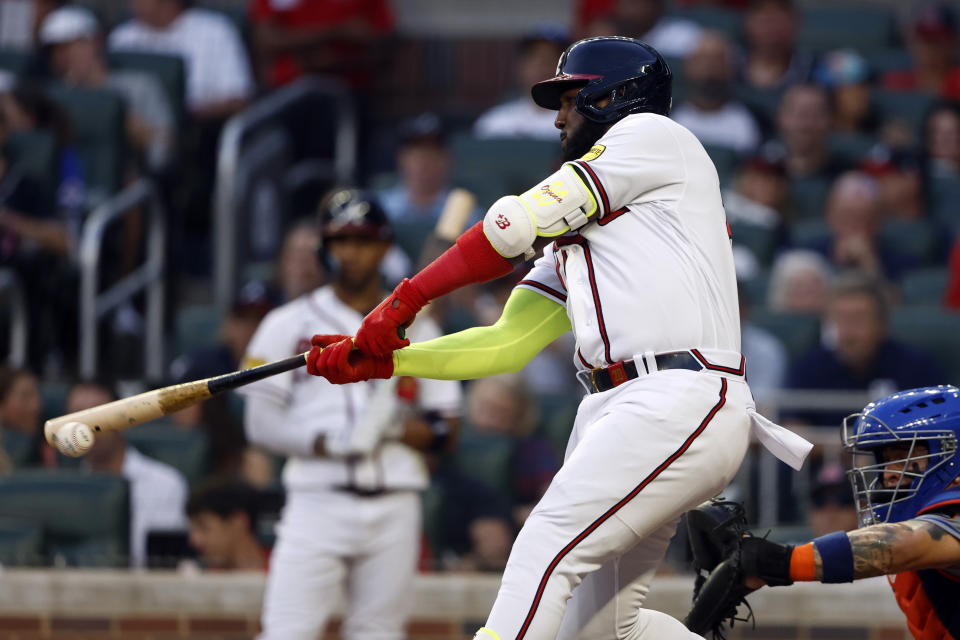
x,y
899,173
773,59
759,195
932,40
329,37
766,357
219,82
503,405
855,220
846,74
521,117
223,520
645,19
73,39
832,507
299,269
20,409
804,121
28,108
424,164
858,354
710,111
941,138
799,280
158,492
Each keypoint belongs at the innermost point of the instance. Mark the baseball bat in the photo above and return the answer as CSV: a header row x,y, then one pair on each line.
x,y
149,405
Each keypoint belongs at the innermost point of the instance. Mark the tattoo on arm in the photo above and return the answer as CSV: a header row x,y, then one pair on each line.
x,y
873,548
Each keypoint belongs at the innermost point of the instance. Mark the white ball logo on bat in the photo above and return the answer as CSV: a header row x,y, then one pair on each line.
x,y
74,439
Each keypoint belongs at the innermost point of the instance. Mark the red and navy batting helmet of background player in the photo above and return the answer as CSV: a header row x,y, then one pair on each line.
x,y
353,213
631,73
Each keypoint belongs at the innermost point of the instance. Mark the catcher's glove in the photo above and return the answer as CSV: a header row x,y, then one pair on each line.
x,y
723,554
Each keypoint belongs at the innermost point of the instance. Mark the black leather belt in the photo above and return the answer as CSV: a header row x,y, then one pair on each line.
x,y
370,493
598,380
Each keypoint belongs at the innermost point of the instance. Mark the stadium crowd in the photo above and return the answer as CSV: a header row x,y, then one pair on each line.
x,y
837,147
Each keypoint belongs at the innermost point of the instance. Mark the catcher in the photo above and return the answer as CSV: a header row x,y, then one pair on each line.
x,y
906,481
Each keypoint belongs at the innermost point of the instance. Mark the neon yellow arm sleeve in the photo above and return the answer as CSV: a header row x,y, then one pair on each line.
x,y
528,324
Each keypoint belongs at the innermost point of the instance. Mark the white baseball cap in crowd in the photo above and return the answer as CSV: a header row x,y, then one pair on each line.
x,y
67,24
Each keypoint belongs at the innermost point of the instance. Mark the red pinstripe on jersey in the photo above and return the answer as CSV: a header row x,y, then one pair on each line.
x,y
613,510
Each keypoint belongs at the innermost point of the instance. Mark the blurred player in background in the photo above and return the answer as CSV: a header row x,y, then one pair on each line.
x,y
352,515
641,269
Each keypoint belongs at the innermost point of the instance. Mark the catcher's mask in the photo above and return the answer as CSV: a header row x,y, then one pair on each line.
x,y
904,452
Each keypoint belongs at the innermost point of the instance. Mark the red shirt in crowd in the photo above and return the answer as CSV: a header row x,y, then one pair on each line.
x,y
952,297
910,81
322,15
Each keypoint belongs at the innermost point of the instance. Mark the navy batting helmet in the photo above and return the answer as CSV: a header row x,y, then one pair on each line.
x,y
353,213
631,73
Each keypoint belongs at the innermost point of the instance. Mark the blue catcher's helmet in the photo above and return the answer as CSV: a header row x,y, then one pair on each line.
x,y
631,73
904,452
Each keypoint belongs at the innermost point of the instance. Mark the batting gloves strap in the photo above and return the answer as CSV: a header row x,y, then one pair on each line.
x,y
379,334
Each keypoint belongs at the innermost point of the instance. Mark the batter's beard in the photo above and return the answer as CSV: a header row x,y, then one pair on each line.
x,y
579,140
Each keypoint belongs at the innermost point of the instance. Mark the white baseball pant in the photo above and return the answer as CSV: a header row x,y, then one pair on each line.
x,y
639,456
332,544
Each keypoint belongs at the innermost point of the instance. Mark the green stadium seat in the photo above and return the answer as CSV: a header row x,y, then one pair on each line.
x,y
798,332
486,458
761,101
84,517
411,236
18,445
99,134
510,166
935,331
167,69
903,106
828,26
195,327
728,21
886,60
945,201
762,241
756,288
809,233
914,238
924,286
20,543
726,160
54,395
851,148
808,196
186,451
15,61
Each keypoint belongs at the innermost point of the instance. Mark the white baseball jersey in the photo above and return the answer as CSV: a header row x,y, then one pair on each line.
x,y
654,270
317,407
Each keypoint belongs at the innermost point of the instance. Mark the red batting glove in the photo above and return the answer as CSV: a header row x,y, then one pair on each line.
x,y
320,342
380,332
340,363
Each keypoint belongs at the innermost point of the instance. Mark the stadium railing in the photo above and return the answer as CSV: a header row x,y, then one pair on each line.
x,y
12,292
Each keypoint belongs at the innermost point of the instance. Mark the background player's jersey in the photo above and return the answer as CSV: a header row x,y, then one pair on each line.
x,y
315,406
653,271
929,598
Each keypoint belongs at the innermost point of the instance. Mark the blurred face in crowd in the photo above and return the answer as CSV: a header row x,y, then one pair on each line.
x,y
216,538
852,103
358,260
495,407
155,13
943,138
853,209
933,52
770,27
709,71
636,17
833,512
425,167
764,186
538,61
108,444
299,269
901,193
805,291
76,61
859,328
21,406
804,118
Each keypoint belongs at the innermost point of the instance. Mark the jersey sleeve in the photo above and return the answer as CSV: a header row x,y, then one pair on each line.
x,y
270,342
544,278
638,160
949,524
443,396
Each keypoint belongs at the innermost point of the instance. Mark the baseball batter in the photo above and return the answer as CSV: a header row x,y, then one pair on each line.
x,y
352,516
639,266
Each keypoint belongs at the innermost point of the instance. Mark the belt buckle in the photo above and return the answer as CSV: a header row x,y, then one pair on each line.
x,y
593,380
